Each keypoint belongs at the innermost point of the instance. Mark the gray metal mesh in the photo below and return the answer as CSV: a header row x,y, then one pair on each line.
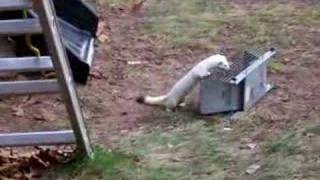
x,y
239,63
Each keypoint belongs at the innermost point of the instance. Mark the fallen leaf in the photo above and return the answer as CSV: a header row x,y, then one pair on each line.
x,y
103,38
252,145
253,168
28,164
38,117
137,6
170,146
49,115
102,26
98,75
18,111
137,62
227,129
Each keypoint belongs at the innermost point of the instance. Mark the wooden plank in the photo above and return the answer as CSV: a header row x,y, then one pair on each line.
x,y
28,87
37,138
25,64
20,27
10,5
47,16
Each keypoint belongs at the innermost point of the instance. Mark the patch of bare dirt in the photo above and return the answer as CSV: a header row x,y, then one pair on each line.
x,y
109,98
124,80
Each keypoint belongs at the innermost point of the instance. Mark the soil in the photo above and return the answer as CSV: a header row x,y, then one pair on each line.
x,y
109,98
296,97
109,102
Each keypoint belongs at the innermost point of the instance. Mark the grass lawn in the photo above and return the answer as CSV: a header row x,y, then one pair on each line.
x,y
194,147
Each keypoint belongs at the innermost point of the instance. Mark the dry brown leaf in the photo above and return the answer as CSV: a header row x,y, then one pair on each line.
x,y
29,164
103,38
102,26
18,111
137,6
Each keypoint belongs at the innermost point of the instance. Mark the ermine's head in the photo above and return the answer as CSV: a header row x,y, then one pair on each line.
x,y
223,63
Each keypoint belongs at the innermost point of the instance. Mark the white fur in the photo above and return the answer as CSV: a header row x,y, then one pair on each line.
x,y
177,94
155,100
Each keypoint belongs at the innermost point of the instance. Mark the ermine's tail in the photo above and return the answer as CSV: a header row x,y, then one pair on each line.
x,y
157,101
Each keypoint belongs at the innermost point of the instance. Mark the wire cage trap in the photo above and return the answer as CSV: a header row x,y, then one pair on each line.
x,y
238,89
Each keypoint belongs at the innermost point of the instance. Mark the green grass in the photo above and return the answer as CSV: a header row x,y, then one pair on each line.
x,y
189,151
273,24
117,2
286,144
198,150
184,22
314,129
276,167
134,72
112,2
203,24
285,158
193,148
192,151
105,164
276,67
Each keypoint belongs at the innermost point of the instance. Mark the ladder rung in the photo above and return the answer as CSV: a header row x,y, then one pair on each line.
x,y
25,64
20,26
29,87
8,5
37,138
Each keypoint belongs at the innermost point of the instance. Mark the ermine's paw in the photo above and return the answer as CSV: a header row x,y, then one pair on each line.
x,y
171,109
205,75
184,104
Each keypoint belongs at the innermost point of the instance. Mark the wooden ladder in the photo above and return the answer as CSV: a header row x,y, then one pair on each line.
x,y
45,23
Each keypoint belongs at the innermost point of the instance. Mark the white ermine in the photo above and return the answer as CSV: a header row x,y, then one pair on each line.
x,y
181,89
